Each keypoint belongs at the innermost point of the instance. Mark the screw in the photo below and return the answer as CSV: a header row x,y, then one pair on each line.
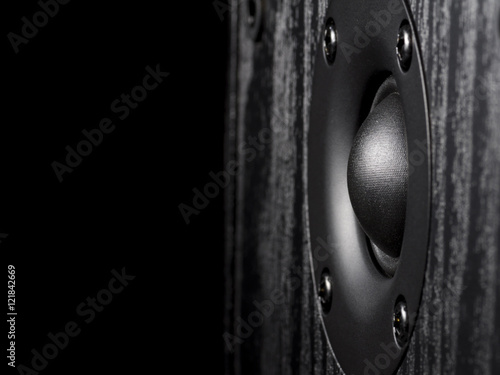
x,y
330,41
325,291
252,12
404,46
400,323
254,19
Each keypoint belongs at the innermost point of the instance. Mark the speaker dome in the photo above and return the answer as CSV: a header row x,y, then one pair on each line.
x,y
378,172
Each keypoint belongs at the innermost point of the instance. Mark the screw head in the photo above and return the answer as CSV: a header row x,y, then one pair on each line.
x,y
330,41
404,46
325,291
252,12
254,19
401,323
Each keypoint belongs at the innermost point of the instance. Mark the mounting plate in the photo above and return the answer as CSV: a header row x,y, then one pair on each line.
x,y
359,324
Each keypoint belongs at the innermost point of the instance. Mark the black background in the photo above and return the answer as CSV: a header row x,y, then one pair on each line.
x,y
119,207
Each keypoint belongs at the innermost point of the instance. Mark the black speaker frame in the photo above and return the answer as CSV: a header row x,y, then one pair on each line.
x,y
359,325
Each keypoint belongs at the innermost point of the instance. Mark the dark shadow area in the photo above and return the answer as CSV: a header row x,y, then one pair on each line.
x,y
95,160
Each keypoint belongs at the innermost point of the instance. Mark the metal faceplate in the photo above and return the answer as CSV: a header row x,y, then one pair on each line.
x,y
360,320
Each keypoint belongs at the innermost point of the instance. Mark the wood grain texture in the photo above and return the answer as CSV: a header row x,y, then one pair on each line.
x,y
267,253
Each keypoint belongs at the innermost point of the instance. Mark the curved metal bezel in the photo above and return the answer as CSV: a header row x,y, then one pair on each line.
x,y
359,325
